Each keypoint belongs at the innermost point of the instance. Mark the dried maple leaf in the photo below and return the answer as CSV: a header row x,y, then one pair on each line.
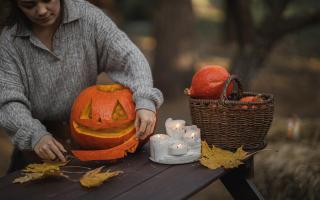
x,y
44,167
95,177
39,171
215,157
28,177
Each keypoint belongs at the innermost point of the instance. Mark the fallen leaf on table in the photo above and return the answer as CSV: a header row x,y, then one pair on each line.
x,y
28,177
95,177
44,167
91,178
39,171
215,157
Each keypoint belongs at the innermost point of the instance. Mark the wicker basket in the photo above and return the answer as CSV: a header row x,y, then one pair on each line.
x,y
230,124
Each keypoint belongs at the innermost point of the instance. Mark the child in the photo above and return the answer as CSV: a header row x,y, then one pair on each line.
x,y
50,50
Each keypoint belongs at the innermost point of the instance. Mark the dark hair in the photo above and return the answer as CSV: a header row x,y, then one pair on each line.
x,y
14,16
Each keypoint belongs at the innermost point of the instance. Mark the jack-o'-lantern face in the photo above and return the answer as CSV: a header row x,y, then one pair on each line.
x,y
102,117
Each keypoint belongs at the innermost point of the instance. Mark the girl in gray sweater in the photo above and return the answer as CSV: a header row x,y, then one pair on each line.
x,y
50,50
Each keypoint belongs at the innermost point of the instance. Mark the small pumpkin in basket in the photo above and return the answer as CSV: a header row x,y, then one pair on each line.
x,y
208,82
102,118
252,99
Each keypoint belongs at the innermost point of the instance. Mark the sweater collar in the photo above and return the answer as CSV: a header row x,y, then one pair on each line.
x,y
70,12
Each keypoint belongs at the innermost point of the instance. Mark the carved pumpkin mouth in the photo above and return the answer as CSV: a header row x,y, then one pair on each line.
x,y
103,133
102,138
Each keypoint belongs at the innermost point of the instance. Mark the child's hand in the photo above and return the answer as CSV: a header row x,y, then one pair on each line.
x,y
49,148
145,122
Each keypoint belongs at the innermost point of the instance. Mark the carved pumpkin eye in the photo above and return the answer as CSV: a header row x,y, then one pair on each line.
x,y
119,113
87,111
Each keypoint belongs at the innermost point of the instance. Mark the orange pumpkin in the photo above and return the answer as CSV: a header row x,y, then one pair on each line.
x,y
208,82
257,98
102,118
108,154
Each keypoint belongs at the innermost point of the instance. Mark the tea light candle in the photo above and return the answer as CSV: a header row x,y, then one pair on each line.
x,y
159,146
192,135
190,139
178,149
175,128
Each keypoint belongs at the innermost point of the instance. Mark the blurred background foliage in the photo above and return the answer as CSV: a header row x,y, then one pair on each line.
x,y
272,45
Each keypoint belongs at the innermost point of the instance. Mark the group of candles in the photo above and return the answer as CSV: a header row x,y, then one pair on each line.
x,y
178,140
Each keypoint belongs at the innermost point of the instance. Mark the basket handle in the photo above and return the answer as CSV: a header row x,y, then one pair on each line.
x,y
234,78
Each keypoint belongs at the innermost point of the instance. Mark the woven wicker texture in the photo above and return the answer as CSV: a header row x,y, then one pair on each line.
x,y
230,124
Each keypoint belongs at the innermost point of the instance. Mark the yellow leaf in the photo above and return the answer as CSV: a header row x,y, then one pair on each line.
x,y
44,167
215,157
210,165
240,153
39,171
205,149
95,177
28,177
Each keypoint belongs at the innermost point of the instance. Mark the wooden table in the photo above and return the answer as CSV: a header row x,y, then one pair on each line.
x,y
142,179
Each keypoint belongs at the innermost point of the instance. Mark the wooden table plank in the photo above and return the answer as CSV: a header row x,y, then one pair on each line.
x,y
5,181
39,189
136,169
117,184
177,182
131,178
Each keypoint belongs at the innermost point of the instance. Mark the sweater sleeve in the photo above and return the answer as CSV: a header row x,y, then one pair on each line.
x,y
124,63
15,115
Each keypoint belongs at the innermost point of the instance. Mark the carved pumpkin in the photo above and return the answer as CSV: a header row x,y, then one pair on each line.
x,y
102,118
208,82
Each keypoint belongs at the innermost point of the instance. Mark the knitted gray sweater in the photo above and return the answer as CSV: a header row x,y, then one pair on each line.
x,y
37,84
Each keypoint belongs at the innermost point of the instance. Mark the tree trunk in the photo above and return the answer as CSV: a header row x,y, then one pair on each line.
x,y
250,59
255,44
174,55
238,23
